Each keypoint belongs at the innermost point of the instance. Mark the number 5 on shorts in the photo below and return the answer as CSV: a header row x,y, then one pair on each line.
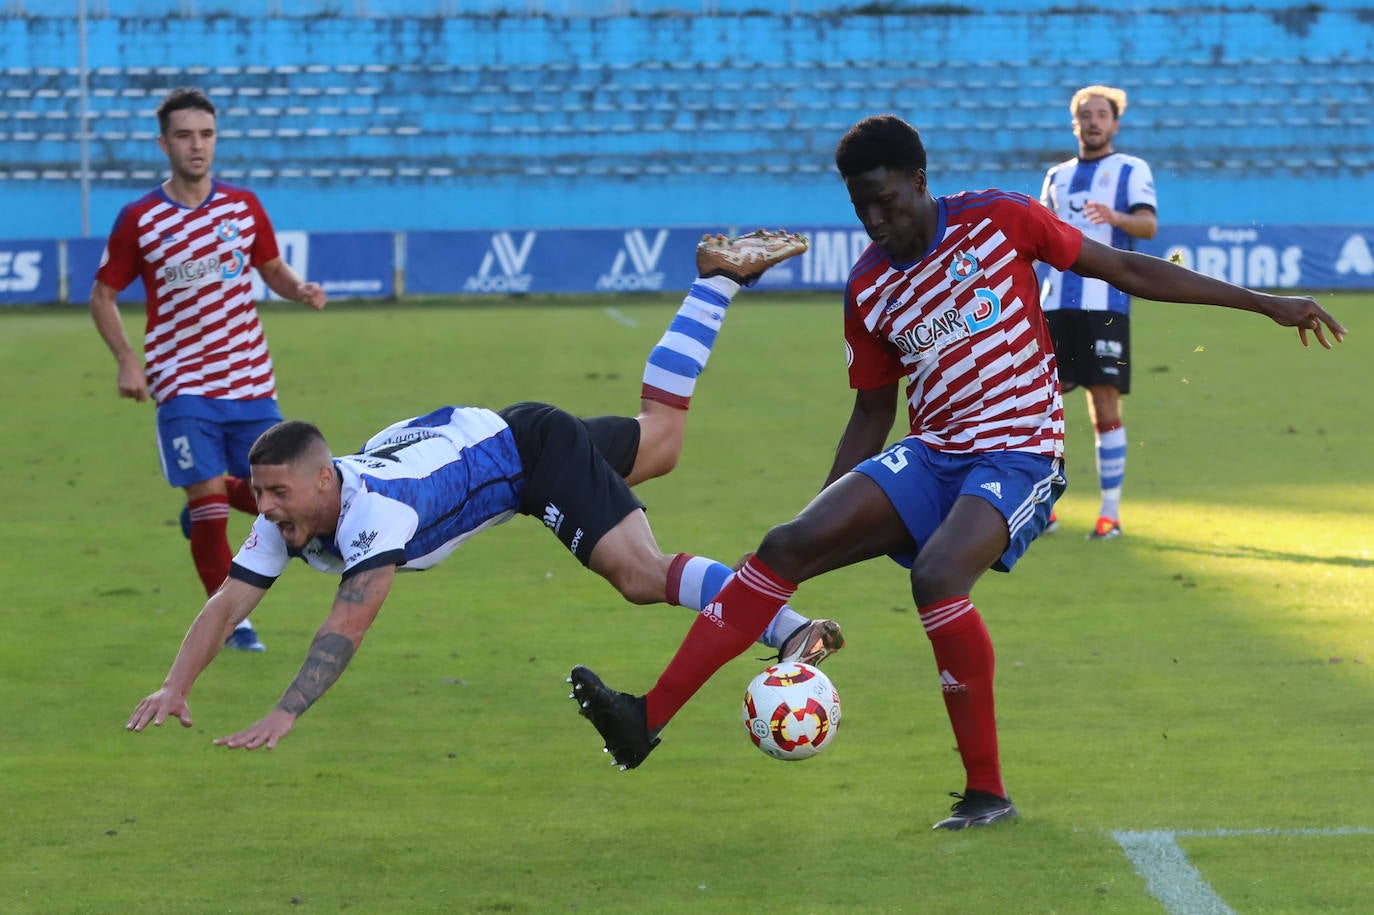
x,y
895,458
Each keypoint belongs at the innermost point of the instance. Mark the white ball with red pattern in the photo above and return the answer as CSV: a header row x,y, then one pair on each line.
x,y
791,711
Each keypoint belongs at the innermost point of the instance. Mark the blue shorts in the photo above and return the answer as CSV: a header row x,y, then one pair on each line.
x,y
923,483
200,438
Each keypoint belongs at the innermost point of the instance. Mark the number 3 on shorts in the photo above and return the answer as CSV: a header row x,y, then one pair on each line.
x,y
185,460
895,458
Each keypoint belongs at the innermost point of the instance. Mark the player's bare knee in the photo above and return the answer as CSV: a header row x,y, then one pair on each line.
x,y
663,461
785,549
661,433
935,577
654,460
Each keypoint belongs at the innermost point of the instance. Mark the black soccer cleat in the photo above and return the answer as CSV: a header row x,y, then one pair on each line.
x,y
977,808
618,717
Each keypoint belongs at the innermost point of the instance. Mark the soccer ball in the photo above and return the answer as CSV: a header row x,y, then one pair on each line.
x,y
791,711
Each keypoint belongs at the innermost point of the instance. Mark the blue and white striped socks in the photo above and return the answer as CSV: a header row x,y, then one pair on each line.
x,y
1111,469
670,375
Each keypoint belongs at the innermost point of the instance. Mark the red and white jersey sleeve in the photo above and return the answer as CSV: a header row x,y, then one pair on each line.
x,y
963,326
202,336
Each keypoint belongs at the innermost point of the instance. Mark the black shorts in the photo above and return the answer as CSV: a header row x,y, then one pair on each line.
x,y
1092,348
575,471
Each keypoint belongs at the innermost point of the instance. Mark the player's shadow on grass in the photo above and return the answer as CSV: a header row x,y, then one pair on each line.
x,y
1251,552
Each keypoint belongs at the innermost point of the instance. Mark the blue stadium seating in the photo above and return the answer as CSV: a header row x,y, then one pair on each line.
x,y
468,101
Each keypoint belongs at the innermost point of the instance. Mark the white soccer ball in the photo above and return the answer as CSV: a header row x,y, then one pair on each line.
x,y
791,711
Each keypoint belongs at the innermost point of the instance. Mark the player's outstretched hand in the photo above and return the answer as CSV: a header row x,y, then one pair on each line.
x,y
265,733
157,708
1303,312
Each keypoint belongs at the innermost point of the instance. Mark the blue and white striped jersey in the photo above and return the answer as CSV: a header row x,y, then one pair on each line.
x,y
1120,181
410,497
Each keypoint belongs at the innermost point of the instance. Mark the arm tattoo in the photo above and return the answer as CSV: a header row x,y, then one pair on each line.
x,y
329,655
354,589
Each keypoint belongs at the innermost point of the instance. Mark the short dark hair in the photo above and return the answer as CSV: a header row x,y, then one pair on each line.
x,y
881,141
286,443
179,100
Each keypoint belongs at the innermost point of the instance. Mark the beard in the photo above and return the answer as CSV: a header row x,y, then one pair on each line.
x,y
1095,144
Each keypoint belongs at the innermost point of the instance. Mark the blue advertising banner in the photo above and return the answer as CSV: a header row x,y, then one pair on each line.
x,y
29,272
518,261
348,265
1273,257
551,260
353,265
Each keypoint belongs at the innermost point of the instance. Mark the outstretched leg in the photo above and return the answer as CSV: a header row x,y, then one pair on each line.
x,y
671,372
629,558
850,521
694,581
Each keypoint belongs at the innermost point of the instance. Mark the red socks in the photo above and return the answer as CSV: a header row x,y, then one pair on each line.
x,y
241,496
210,540
963,652
722,631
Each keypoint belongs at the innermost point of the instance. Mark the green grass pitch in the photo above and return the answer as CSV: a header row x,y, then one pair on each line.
x,y
1200,689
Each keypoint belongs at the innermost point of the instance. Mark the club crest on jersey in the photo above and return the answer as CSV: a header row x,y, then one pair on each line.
x,y
962,266
227,230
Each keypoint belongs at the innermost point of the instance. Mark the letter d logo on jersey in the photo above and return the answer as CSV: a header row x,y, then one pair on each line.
x,y
511,260
232,269
643,257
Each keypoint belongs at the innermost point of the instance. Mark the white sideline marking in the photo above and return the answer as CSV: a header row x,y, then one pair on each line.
x,y
1168,875
1174,881
1333,831
615,314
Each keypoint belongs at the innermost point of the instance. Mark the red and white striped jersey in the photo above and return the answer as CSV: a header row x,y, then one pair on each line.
x,y
203,336
963,325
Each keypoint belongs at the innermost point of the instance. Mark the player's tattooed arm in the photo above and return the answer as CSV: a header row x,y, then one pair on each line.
x,y
329,655
356,604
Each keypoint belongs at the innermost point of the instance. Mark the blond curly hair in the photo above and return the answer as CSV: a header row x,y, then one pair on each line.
x,y
1114,96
